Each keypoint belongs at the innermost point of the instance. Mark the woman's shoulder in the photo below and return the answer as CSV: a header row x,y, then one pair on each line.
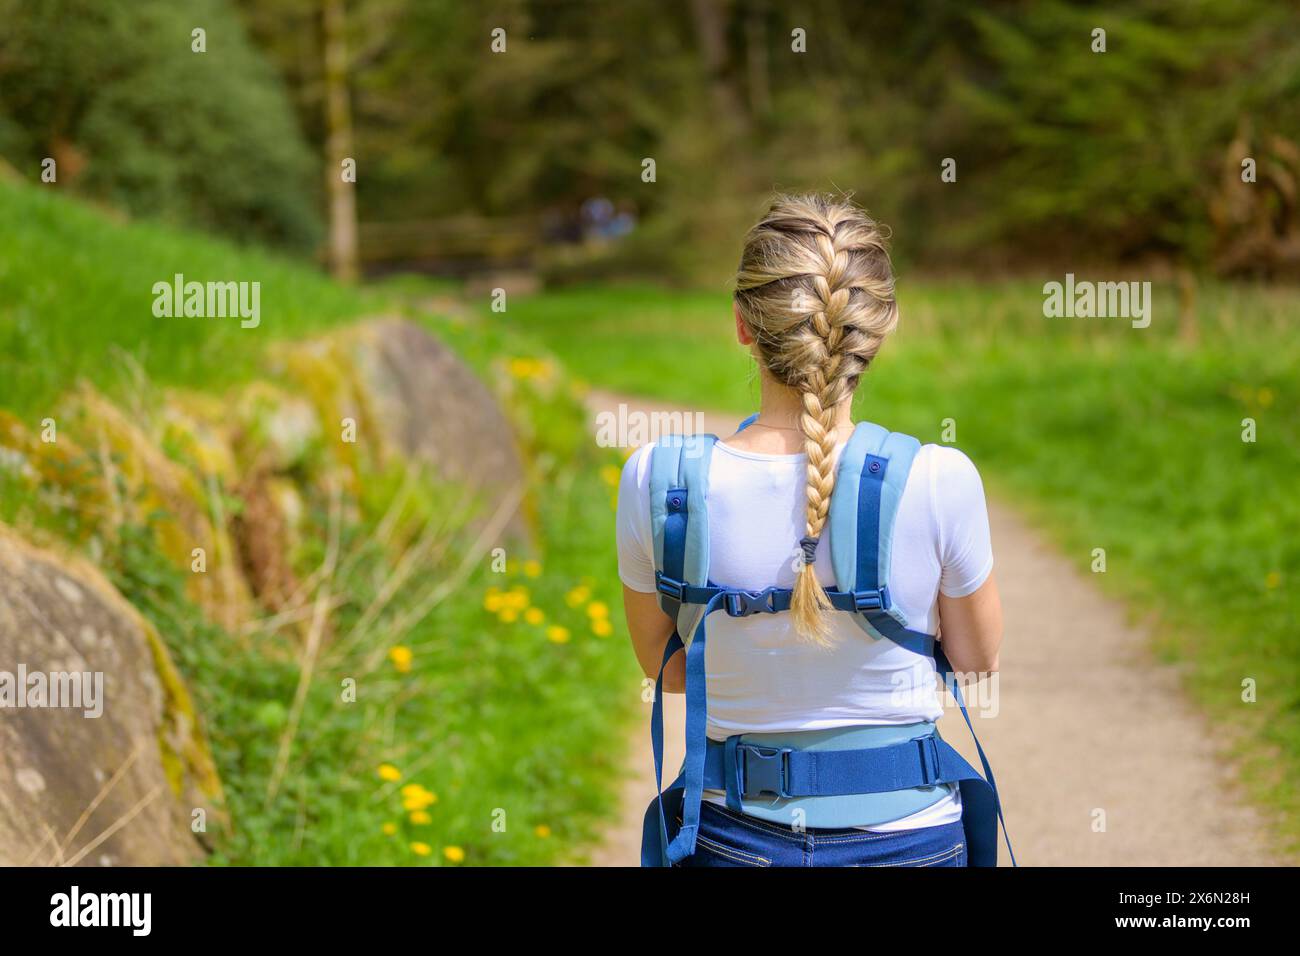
x,y
637,467
945,463
948,481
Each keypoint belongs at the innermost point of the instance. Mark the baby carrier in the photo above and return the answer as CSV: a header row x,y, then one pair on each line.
x,y
862,776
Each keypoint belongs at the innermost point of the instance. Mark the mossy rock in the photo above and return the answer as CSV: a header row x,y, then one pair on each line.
x,y
412,399
141,772
59,474
184,509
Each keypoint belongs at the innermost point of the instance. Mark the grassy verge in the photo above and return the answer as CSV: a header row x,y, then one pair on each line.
x,y
1117,438
76,301
486,730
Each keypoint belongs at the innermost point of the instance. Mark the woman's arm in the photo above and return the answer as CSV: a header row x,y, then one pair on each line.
x,y
650,628
971,628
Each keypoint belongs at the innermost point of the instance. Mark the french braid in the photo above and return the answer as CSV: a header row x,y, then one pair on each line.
x,y
816,290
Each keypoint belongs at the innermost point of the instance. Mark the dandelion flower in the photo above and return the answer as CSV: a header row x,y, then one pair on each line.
x,y
389,829
601,627
542,831
388,772
415,797
532,569
577,595
454,854
598,609
421,817
401,658
421,849
534,615
558,634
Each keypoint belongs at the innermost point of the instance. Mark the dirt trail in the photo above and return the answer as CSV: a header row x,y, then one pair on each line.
x,y
1087,722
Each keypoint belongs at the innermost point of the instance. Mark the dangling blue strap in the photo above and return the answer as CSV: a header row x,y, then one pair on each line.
x,y
747,422
683,844
981,796
654,835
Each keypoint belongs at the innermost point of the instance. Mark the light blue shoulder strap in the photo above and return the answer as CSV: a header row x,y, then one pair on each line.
x,y
679,521
869,482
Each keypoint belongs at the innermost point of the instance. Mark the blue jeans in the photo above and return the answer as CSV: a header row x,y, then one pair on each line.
x,y
727,838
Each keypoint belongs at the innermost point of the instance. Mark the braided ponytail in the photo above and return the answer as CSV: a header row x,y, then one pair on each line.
x,y
816,290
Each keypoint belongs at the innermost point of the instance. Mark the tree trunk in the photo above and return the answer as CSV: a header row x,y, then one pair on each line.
x,y
711,35
760,97
338,143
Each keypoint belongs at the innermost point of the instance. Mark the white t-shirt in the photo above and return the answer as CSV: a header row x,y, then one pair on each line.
x,y
762,678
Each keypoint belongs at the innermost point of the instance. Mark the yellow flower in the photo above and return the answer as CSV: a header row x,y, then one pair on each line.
x,y
509,615
421,849
610,474
1273,580
597,609
420,817
1265,396
558,634
416,797
401,658
454,853
389,829
577,596
542,831
390,773
534,615
601,627
493,600
524,367
532,569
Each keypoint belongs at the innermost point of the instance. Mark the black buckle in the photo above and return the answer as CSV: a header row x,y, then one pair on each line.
x,y
670,587
745,603
763,770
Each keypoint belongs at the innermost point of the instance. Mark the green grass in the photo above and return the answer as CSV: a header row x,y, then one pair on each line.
x,y
503,724
76,297
1112,437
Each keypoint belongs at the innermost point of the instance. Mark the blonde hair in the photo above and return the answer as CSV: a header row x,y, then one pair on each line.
x,y
816,290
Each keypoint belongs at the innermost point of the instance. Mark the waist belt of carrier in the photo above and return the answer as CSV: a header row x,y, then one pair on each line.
x,y
753,771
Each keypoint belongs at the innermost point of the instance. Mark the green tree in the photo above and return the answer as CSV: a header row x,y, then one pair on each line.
x,y
136,117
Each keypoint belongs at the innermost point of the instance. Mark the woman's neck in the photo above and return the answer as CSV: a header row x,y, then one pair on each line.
x,y
782,407
777,429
